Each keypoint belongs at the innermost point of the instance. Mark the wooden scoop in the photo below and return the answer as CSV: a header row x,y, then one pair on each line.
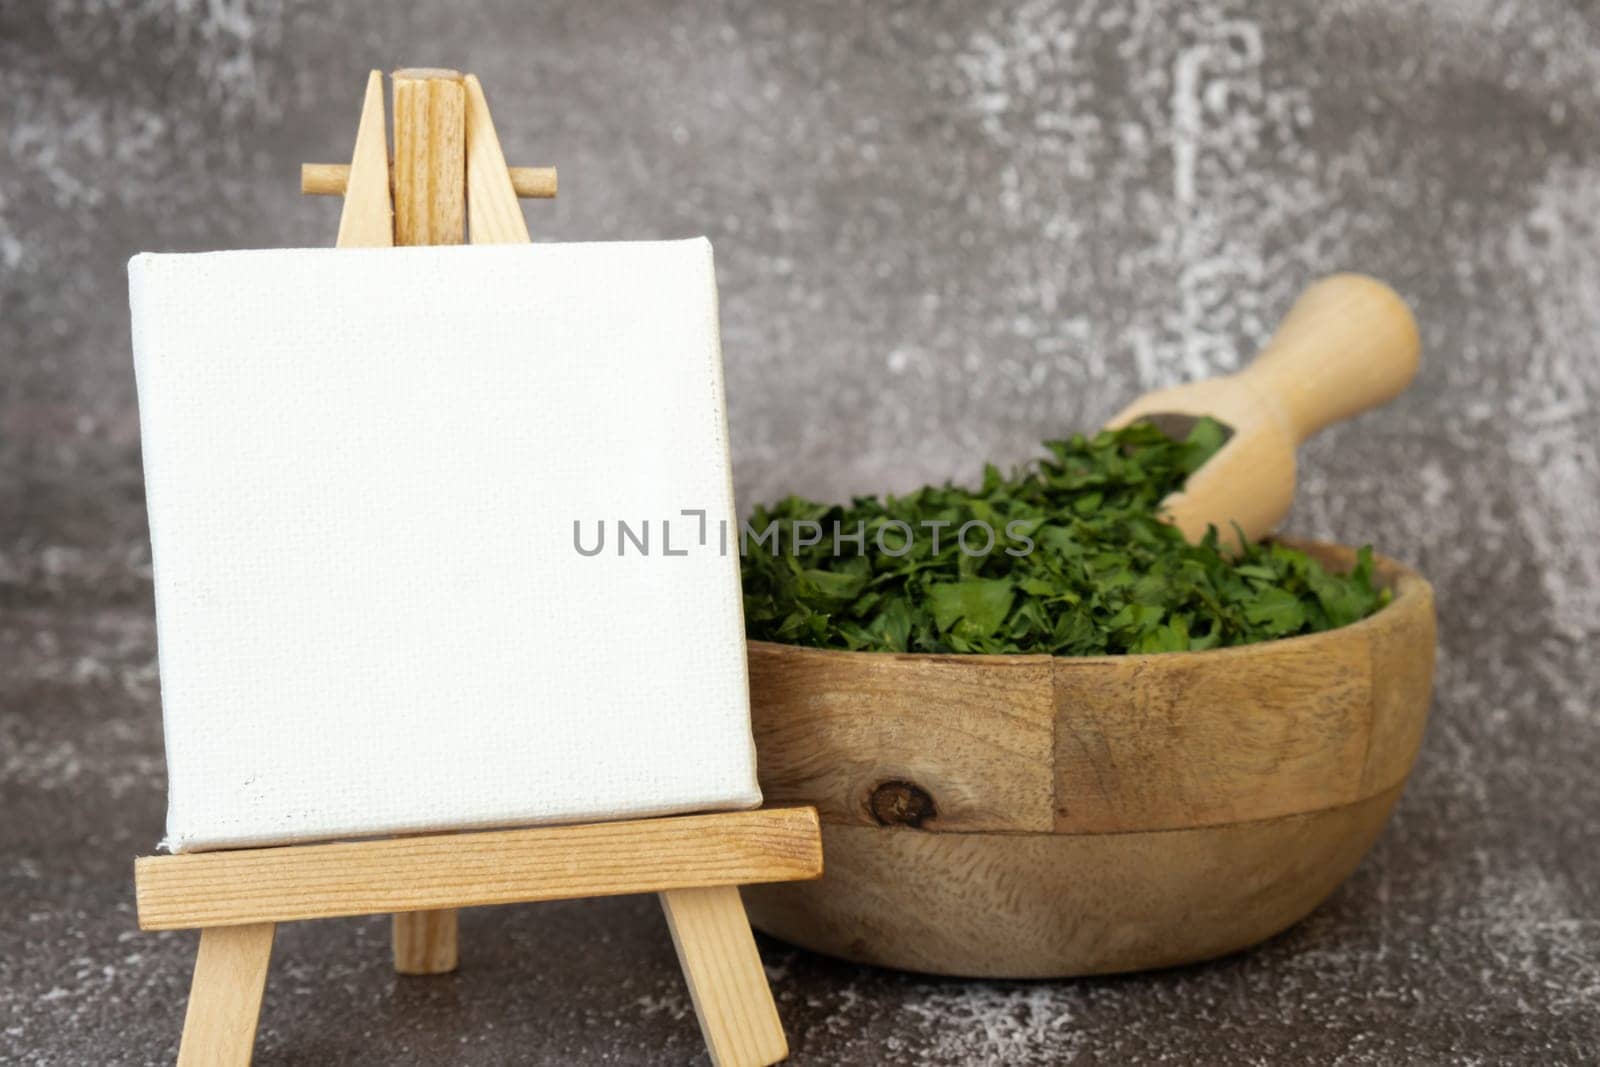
x,y
1348,344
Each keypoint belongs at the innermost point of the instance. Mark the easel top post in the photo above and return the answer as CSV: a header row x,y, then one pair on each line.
x,y
430,147
447,157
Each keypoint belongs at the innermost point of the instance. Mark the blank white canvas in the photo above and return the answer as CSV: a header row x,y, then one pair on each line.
x,y
363,468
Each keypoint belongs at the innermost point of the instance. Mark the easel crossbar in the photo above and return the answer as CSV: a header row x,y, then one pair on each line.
x,y
293,882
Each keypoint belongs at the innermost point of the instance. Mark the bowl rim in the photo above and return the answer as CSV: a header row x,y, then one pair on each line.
x,y
1408,585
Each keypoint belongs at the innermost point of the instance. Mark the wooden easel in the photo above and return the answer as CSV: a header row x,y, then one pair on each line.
x,y
448,169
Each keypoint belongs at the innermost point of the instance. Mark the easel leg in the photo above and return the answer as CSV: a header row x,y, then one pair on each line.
x,y
731,997
230,974
425,942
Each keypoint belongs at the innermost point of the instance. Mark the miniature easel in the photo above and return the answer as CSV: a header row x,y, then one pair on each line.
x,y
448,168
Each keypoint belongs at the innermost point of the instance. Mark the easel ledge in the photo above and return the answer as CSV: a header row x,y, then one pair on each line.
x,y
465,870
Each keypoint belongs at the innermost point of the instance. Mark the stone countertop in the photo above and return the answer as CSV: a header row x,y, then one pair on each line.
x,y
944,232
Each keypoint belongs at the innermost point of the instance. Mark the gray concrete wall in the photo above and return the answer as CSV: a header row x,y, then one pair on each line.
x,y
943,232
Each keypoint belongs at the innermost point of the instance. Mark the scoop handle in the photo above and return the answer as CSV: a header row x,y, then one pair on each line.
x,y
1348,344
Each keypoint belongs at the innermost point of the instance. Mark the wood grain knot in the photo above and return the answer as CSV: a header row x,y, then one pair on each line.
x,y
897,803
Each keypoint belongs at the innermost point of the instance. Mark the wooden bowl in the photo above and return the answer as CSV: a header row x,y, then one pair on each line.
x,y
1040,816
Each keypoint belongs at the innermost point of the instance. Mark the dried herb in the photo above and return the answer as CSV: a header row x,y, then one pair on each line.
x,y
1065,555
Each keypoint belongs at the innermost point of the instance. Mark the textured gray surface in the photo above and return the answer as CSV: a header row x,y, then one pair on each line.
x,y
943,233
